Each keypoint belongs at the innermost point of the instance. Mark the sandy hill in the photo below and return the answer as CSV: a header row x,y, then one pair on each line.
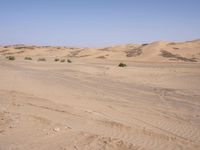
x,y
154,52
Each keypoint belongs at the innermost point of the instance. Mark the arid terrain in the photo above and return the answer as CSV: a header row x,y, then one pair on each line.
x,y
92,104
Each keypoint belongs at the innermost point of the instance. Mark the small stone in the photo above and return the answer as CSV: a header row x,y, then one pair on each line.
x,y
56,129
12,126
66,127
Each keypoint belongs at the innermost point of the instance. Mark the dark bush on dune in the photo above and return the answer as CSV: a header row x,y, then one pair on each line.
x,y
41,59
69,61
62,60
10,57
122,65
56,59
28,58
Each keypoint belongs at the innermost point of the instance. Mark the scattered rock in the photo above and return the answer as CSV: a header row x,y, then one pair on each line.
x,y
12,126
56,129
66,127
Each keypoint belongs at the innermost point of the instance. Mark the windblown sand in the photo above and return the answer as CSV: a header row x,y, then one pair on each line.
x,y
92,104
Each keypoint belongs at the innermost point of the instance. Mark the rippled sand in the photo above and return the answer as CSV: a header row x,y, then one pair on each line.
x,y
98,105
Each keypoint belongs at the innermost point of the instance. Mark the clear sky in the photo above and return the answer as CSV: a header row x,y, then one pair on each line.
x,y
94,23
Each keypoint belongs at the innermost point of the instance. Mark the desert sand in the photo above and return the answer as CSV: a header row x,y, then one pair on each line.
x,y
92,104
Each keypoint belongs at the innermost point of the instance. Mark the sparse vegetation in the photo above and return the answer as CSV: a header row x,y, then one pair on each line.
x,y
145,44
10,57
172,43
69,61
28,58
56,59
134,52
41,59
24,47
105,49
75,53
122,65
172,56
62,60
102,57
2,51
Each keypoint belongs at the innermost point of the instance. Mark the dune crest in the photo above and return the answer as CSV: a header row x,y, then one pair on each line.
x,y
152,52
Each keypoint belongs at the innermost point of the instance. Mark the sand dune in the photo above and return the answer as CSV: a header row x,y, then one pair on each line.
x,y
153,52
92,104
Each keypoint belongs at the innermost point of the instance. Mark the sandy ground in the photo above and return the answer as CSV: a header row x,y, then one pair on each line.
x,y
92,104
97,106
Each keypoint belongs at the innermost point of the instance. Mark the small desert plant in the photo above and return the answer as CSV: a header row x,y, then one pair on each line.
x,y
28,58
122,65
10,57
69,61
145,44
62,60
56,59
41,59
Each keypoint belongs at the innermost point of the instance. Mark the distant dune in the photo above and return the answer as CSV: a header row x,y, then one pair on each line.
x,y
153,52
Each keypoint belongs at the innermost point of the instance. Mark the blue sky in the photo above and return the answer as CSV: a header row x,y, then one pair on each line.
x,y
97,23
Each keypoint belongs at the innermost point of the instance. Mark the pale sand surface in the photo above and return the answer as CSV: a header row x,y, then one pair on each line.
x,y
92,104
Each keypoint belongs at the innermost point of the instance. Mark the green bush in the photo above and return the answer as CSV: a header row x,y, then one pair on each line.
x,y
122,65
69,61
62,60
10,57
28,58
41,59
56,59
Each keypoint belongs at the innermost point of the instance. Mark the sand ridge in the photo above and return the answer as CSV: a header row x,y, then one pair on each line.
x,y
152,52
